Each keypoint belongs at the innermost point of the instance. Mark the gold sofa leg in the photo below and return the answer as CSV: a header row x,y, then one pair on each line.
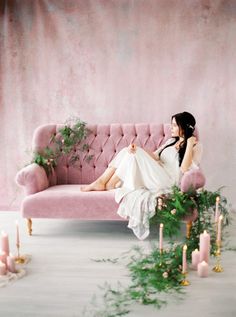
x,y
188,229
29,225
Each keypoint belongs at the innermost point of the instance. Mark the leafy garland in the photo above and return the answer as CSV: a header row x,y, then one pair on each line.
x,y
69,141
172,208
155,273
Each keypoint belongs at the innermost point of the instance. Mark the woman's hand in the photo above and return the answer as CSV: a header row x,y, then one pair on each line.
x,y
132,148
192,141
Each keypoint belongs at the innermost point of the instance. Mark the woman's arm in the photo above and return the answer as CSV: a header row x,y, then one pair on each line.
x,y
153,155
192,154
132,149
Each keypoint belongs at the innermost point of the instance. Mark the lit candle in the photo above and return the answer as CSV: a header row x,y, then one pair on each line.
x,y
17,234
203,269
217,212
195,259
161,237
219,229
11,264
159,204
3,269
204,246
3,257
5,243
184,260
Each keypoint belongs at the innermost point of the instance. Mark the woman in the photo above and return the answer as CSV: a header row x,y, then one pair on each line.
x,y
140,176
135,168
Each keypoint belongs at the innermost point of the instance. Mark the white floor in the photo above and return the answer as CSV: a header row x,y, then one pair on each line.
x,y
61,278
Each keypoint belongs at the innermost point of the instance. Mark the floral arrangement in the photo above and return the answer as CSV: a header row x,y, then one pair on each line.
x,y
158,272
69,141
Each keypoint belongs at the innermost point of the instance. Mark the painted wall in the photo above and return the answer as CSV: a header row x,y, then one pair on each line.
x,y
117,61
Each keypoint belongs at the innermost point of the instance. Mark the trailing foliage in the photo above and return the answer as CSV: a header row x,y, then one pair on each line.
x,y
175,206
69,141
155,273
172,208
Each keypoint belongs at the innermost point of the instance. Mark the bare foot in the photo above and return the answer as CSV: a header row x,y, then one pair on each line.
x,y
97,185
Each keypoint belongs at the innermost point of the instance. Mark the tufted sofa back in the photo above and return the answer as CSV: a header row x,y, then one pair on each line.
x,y
104,142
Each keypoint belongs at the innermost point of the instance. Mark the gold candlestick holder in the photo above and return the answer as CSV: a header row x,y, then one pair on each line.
x,y
20,259
185,281
218,268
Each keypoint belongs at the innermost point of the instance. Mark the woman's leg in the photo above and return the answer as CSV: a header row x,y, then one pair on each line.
x,y
106,177
100,183
114,182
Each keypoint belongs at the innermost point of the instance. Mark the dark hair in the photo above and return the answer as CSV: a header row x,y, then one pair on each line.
x,y
186,123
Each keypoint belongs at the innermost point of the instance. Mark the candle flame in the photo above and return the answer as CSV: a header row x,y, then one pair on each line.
x,y
205,232
196,249
218,199
161,225
221,217
185,247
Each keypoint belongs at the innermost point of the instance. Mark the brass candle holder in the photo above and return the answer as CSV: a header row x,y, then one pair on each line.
x,y
20,259
185,281
218,268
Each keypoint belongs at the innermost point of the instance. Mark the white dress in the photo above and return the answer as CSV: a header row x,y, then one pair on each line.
x,y
143,180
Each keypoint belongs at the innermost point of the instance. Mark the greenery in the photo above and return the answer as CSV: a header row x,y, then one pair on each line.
x,y
174,207
70,141
155,273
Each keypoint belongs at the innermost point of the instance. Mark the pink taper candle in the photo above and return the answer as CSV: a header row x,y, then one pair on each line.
x,y
161,237
184,260
11,264
5,243
217,212
17,234
219,229
195,259
203,269
204,246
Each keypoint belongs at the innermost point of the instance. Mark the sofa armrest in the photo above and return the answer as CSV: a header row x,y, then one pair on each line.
x,y
33,178
193,178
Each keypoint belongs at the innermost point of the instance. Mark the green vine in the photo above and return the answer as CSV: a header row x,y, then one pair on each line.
x,y
69,141
172,208
155,273
175,206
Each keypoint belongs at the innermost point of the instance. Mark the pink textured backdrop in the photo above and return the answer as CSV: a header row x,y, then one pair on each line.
x,y
117,61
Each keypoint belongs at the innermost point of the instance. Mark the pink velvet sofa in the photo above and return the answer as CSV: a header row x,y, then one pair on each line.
x,y
59,195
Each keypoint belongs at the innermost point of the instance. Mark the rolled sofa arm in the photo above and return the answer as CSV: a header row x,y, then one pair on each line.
x,y
192,179
33,178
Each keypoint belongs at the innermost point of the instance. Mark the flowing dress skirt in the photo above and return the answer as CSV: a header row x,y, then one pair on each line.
x,y
143,180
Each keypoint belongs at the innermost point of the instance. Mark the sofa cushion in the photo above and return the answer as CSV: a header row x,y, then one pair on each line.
x,y
67,201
